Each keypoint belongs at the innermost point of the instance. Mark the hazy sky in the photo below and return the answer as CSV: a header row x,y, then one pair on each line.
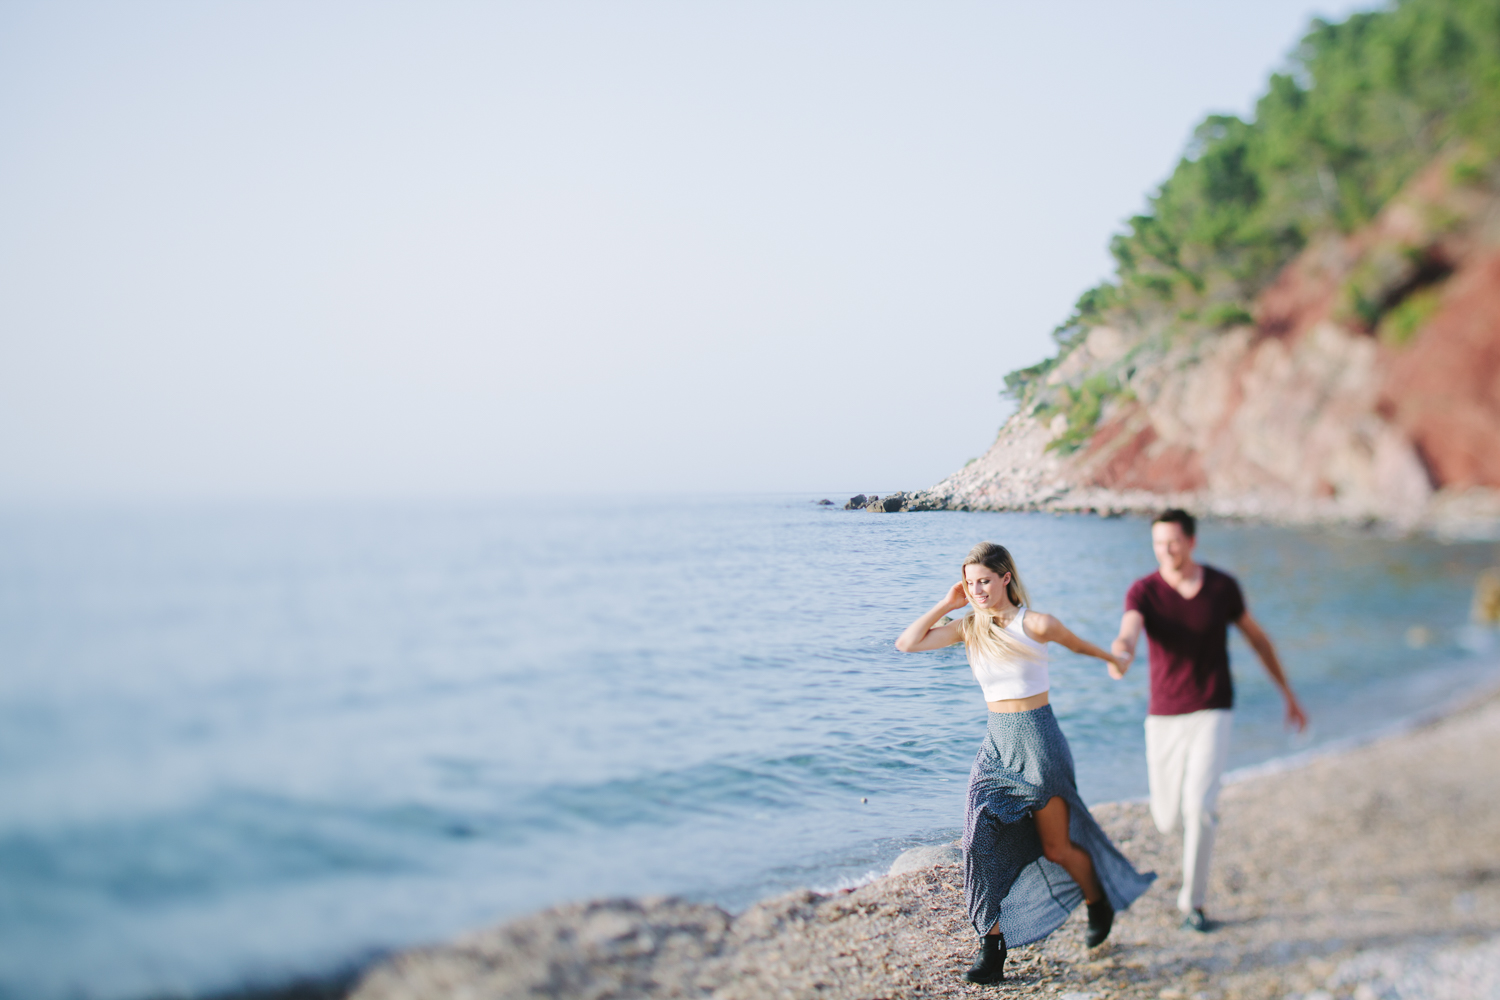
x,y
324,249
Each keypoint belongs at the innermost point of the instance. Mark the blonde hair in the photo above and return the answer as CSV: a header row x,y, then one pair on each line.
x,y
985,636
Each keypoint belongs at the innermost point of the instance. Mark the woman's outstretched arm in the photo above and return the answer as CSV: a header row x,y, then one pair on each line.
x,y
925,633
1045,628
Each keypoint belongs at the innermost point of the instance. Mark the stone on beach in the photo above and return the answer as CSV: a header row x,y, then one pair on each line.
x,y
926,857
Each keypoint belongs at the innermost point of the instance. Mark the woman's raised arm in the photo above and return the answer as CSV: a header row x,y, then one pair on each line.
x,y
924,633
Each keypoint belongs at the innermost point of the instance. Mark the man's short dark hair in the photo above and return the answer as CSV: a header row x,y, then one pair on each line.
x,y
1176,515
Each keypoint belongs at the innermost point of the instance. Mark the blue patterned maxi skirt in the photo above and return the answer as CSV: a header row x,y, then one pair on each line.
x,y
1023,762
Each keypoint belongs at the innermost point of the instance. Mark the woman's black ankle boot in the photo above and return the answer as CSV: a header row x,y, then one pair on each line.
x,y
989,966
1101,919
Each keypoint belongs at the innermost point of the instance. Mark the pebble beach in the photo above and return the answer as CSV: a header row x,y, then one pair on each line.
x,y
1368,874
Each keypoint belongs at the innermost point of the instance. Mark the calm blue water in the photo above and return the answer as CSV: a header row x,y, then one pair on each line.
x,y
241,744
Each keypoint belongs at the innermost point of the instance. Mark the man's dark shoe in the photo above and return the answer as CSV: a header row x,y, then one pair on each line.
x,y
989,965
1195,921
1101,919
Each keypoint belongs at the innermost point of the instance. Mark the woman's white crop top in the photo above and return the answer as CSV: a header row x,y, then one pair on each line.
x,y
1014,678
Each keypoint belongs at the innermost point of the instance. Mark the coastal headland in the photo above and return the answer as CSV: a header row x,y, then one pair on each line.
x,y
1302,409
1366,874
1303,325
1301,412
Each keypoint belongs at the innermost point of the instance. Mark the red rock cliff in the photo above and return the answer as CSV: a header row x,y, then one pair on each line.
x,y
1367,388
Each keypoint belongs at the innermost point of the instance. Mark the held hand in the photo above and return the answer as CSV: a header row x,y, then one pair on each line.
x,y
1118,665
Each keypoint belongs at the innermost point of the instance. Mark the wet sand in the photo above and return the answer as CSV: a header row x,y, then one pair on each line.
x,y
1368,874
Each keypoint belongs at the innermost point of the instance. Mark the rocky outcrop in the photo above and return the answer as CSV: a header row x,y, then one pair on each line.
x,y
897,502
1366,389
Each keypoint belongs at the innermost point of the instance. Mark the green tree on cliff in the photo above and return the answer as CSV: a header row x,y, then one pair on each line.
x,y
1364,104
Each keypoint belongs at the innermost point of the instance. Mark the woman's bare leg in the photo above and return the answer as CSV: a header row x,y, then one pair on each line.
x,y
1052,825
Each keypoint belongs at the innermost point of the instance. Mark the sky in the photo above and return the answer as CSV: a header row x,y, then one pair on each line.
x,y
340,250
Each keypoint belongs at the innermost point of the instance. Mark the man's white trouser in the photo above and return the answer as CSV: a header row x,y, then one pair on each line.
x,y
1185,758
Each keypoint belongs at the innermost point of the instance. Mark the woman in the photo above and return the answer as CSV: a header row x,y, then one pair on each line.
x,y
1029,842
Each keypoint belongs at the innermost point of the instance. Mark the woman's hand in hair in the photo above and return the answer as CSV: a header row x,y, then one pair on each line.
x,y
925,633
958,596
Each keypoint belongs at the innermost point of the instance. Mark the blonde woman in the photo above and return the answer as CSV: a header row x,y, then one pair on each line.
x,y
1032,852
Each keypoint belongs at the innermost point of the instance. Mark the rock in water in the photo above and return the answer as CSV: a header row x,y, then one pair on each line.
x,y
856,502
926,500
825,503
901,501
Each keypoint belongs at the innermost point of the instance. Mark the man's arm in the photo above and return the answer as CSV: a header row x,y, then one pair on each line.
x,y
1131,624
1261,643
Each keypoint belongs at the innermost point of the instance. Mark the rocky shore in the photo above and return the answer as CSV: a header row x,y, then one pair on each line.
x,y
1473,515
1372,874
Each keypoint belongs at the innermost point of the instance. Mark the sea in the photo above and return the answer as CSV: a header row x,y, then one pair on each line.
x,y
242,744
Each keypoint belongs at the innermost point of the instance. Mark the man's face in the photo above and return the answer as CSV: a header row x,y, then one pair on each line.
x,y
1173,548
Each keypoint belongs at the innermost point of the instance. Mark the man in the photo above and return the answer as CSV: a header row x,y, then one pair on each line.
x,y
1186,609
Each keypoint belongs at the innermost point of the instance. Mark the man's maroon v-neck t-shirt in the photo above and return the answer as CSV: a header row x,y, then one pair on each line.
x,y
1189,641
